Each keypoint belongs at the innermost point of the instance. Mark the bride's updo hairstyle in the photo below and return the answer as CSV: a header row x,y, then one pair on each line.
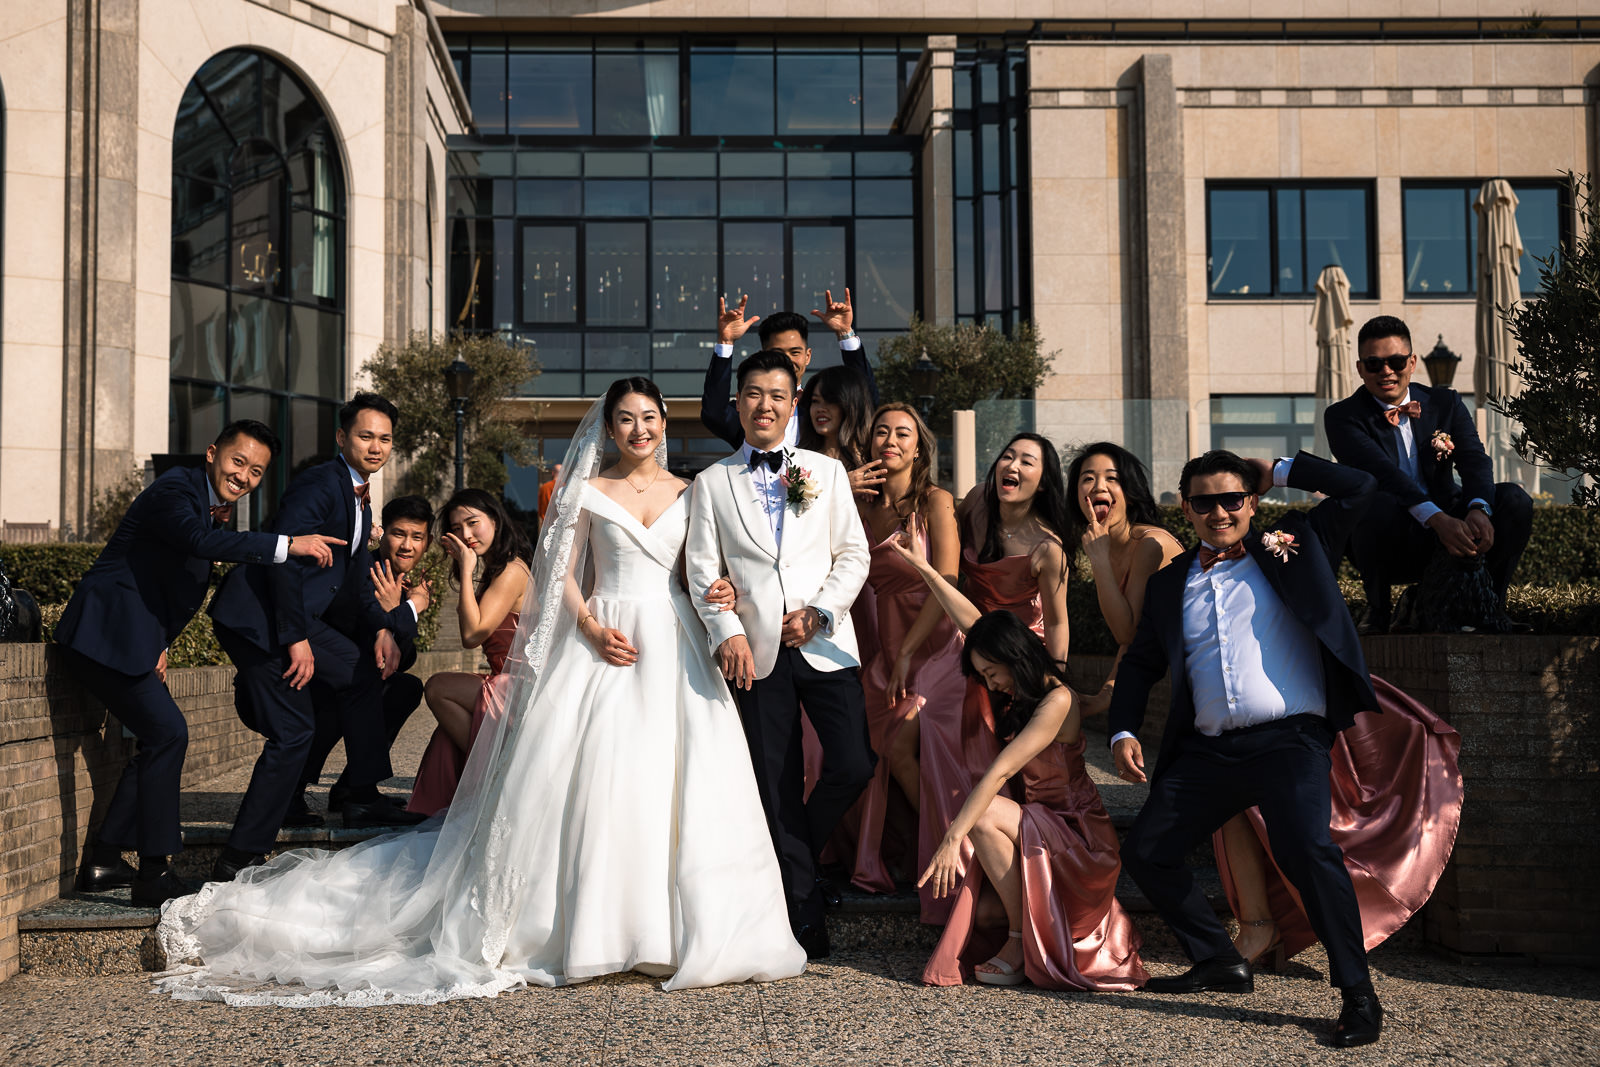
x,y
624,386
510,542
1001,637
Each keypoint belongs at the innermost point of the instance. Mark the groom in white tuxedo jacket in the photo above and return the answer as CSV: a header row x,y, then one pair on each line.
x,y
781,525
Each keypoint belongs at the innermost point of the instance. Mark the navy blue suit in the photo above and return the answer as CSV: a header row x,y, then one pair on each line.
x,y
259,613
139,595
1200,782
1391,546
721,415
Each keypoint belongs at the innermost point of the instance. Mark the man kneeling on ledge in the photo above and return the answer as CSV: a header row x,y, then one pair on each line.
x,y
1415,440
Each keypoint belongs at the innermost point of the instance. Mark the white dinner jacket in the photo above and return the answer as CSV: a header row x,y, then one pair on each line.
x,y
823,562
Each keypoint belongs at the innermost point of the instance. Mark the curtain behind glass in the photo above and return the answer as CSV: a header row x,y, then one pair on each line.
x,y
322,260
661,94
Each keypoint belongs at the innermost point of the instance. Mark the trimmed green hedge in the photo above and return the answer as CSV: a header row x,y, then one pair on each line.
x,y
195,647
50,572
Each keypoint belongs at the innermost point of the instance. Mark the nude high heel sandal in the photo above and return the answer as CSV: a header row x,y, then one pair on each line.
x,y
1003,973
1272,958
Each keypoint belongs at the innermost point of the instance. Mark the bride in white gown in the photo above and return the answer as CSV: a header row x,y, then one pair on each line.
x,y
609,821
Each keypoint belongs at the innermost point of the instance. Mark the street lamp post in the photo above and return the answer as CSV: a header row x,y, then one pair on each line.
x,y
925,380
458,383
1441,363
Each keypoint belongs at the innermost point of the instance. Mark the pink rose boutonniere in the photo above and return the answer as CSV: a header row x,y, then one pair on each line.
x,y
1279,544
1442,446
801,485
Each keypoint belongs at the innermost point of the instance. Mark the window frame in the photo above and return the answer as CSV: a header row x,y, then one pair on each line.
x,y
1272,187
1564,222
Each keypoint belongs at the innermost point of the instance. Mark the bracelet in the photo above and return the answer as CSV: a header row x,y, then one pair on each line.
x,y
583,620
849,335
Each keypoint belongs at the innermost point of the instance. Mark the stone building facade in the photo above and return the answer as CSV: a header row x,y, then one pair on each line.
x,y
1156,184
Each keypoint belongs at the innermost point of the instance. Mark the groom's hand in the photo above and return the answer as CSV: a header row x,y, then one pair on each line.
x,y
738,665
801,626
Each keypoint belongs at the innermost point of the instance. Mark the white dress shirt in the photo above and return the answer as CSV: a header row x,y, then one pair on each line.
x,y
279,554
791,432
356,532
1406,445
774,494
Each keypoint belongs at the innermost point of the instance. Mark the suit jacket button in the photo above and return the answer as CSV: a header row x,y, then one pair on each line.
x,y
335,589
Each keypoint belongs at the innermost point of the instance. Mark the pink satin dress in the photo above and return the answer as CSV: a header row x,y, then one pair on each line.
x,y
1396,793
442,762
1075,935
898,593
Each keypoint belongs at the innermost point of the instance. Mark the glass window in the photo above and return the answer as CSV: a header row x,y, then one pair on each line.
x,y
883,197
618,197
819,94
684,197
745,197
486,89
885,276
685,165
636,95
752,165
1539,223
880,92
819,264
821,197
616,165
730,93
614,274
1265,427
549,261
752,263
1335,236
257,319
562,197
1241,242
683,274
1441,234
548,93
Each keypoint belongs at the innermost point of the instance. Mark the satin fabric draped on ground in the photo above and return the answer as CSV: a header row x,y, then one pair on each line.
x,y
1075,935
609,822
1396,791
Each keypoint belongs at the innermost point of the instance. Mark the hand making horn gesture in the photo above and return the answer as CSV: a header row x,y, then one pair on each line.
x,y
732,325
840,316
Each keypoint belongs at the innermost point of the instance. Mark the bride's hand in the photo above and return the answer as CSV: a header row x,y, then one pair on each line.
x,y
945,870
721,594
612,644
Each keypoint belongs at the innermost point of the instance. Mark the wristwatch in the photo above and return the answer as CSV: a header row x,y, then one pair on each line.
x,y
848,334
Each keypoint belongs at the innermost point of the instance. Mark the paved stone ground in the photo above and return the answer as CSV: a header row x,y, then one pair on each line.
x,y
864,1008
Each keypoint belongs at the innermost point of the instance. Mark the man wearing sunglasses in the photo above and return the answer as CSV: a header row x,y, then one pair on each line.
x,y
1387,428
1265,669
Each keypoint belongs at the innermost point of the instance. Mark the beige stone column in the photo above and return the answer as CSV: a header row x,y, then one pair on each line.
x,y
98,301
1164,359
927,113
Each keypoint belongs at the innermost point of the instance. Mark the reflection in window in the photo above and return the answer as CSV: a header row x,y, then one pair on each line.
x,y
1441,234
257,309
730,93
990,186
549,262
1274,240
1265,427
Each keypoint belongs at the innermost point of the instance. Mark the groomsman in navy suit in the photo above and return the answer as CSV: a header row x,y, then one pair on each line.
x,y
139,595
1266,668
1389,428
270,622
407,533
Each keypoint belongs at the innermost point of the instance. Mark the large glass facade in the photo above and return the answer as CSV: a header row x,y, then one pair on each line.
x,y
257,320
602,225
1441,233
990,116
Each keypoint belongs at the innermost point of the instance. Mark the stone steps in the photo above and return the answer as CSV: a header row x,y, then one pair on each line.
x,y
84,935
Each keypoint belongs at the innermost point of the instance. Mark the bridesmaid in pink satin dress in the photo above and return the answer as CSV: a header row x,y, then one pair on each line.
x,y
911,651
1051,858
477,527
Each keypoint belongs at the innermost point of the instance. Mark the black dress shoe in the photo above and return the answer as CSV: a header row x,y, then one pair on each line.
x,y
156,891
1360,1021
98,877
829,892
300,815
1207,976
813,937
226,870
380,812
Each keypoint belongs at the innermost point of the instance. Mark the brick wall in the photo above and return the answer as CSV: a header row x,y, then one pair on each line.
x,y
1526,861
61,755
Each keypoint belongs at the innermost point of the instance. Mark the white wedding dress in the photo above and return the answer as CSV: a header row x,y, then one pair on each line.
x,y
617,827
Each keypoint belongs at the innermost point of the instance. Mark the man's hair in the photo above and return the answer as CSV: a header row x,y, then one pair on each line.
x,y
1376,329
765,360
248,428
367,402
1217,461
782,322
414,508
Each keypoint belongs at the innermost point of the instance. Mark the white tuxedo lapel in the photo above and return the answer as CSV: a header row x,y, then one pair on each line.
x,y
747,501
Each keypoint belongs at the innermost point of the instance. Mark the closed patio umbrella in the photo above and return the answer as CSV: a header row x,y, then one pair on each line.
x,y
1331,318
1499,266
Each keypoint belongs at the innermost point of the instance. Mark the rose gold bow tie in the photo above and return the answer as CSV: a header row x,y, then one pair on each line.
x,y
362,491
1210,557
1410,409
222,513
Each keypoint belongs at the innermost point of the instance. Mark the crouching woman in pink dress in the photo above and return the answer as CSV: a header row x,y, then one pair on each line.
x,y
1048,850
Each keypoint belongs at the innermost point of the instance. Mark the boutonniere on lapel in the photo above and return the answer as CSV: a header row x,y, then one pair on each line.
x,y
1280,545
800,483
1442,446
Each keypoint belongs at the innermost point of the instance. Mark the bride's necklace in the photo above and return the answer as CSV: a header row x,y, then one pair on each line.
x,y
635,488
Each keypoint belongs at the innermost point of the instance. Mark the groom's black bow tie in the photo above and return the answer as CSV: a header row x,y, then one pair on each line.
x,y
774,460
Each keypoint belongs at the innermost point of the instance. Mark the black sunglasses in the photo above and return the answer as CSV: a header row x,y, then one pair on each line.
x,y
1205,503
1375,364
